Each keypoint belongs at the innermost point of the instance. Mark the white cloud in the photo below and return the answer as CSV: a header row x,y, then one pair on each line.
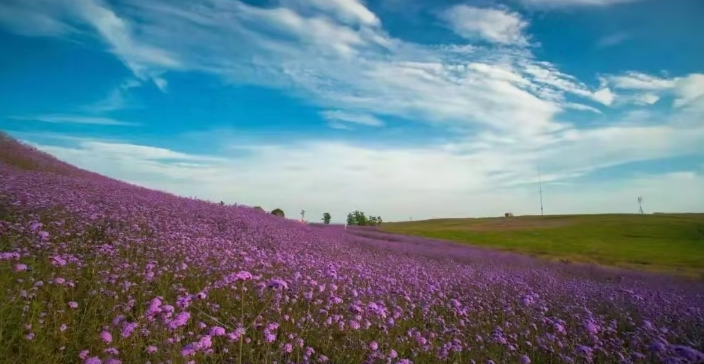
x,y
575,3
161,83
495,176
34,18
545,74
605,96
647,89
117,33
132,151
582,107
117,99
74,18
494,25
689,89
348,11
647,99
363,119
339,125
74,119
640,81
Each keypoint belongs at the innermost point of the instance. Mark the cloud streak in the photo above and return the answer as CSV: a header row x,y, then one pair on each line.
x,y
612,40
575,3
493,25
355,118
74,119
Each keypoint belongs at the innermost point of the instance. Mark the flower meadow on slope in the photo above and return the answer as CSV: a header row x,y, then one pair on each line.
x,y
97,271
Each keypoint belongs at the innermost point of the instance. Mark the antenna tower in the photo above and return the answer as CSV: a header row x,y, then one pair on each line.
x,y
540,189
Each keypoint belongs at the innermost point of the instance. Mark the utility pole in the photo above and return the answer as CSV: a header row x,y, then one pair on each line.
x,y
540,188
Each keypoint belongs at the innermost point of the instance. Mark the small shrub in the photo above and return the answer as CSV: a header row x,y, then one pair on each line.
x,y
278,212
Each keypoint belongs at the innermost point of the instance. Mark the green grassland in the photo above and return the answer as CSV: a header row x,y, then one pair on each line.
x,y
672,243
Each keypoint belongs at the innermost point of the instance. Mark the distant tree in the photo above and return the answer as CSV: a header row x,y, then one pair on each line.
x,y
350,219
326,218
278,212
222,203
259,208
360,218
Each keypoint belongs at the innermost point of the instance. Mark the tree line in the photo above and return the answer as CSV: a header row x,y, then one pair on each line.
x,y
359,218
356,217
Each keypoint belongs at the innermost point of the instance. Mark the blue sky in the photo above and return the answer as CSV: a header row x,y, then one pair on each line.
x,y
398,108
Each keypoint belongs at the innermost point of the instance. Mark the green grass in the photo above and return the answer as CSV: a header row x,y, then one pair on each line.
x,y
672,243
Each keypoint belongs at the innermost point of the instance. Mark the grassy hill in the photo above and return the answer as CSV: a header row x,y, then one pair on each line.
x,y
671,243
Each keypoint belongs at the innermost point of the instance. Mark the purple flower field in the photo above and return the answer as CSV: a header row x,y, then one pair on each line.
x,y
94,270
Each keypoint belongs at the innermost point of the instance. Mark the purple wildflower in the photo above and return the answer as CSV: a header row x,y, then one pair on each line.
x,y
128,328
180,320
217,331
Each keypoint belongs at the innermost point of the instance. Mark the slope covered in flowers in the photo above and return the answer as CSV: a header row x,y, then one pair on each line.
x,y
94,270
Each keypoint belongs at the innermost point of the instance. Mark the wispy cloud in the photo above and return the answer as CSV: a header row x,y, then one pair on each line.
x,y
612,40
640,81
143,59
575,3
356,118
493,25
604,96
644,89
117,99
689,90
346,11
34,18
78,18
161,83
339,125
73,119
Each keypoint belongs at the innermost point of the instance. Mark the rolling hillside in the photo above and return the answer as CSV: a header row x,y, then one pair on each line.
x,y
96,271
659,242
